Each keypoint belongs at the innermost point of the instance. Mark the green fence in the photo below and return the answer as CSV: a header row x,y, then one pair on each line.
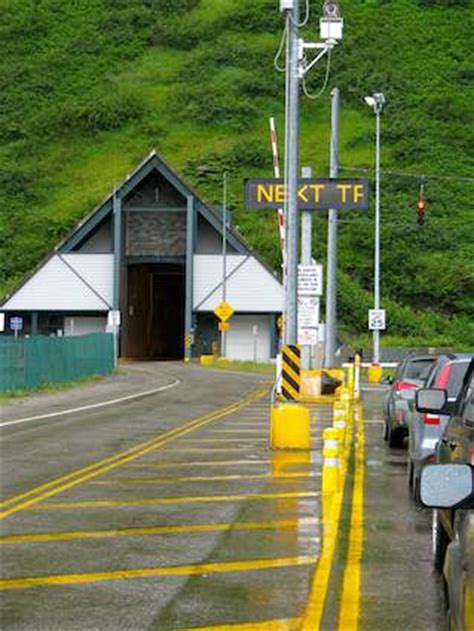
x,y
28,362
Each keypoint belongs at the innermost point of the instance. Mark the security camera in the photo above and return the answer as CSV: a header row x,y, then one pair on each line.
x,y
331,9
331,24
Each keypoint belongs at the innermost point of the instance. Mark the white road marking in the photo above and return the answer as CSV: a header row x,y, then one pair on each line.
x,y
93,405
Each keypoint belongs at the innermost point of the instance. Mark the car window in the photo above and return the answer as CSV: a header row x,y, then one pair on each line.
x,y
418,369
456,377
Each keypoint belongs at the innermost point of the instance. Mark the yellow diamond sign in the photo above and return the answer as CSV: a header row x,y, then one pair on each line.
x,y
224,311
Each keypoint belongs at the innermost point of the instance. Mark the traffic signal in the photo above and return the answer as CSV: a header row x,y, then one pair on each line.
x,y
420,211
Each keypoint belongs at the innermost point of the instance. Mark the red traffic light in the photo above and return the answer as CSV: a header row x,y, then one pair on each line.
x,y
421,207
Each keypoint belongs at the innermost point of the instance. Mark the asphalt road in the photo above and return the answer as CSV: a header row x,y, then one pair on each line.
x,y
170,512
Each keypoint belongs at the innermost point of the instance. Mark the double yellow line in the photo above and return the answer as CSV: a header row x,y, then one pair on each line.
x,y
38,494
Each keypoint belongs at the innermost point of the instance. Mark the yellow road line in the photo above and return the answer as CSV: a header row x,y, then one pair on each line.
x,y
152,572
287,624
194,450
205,478
350,602
65,482
196,463
284,524
203,499
212,439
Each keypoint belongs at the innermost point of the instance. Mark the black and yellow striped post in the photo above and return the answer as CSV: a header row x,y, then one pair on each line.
x,y
291,372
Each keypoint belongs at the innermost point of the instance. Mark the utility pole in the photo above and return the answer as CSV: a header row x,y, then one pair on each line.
x,y
224,255
331,282
306,257
376,102
291,173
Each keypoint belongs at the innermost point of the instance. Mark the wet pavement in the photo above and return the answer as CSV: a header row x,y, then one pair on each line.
x,y
170,512
400,589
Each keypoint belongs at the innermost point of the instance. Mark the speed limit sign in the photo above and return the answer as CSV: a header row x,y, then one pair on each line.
x,y
377,319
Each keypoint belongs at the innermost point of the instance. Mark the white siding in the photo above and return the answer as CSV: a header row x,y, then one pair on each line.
x,y
244,342
55,286
250,289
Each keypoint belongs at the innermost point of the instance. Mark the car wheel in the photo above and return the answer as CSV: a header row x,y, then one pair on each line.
x,y
415,490
410,474
440,542
395,438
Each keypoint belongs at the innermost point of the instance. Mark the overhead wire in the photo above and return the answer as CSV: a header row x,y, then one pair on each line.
x,y
325,83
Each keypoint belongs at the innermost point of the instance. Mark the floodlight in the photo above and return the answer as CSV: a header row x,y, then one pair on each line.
x,y
370,101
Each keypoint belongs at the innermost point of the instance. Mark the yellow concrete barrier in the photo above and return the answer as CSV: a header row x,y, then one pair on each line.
x,y
374,373
207,360
289,426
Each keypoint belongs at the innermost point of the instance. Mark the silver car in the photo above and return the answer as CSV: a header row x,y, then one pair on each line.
x,y
410,375
425,430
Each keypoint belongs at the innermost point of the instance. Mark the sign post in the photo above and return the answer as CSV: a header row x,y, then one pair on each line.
x,y
16,324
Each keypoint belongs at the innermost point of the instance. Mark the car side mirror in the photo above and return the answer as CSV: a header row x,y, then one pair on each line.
x,y
447,486
431,400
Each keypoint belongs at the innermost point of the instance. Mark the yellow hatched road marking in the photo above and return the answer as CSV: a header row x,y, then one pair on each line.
x,y
65,482
287,624
202,499
197,463
152,572
286,524
206,478
350,602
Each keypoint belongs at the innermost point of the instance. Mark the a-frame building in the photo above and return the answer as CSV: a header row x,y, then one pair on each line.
x,y
152,251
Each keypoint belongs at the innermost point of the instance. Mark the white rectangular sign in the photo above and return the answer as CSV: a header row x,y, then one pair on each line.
x,y
2,322
310,280
113,318
308,312
308,336
377,319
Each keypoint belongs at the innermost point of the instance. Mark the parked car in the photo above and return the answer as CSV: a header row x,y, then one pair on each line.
x,y
448,487
409,376
424,430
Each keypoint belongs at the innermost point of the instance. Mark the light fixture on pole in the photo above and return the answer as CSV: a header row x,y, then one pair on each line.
x,y
377,322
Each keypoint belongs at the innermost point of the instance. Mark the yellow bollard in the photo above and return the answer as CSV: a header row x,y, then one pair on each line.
x,y
331,460
207,360
289,426
374,373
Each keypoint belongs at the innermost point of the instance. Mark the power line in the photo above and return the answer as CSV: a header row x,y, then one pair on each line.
x,y
419,176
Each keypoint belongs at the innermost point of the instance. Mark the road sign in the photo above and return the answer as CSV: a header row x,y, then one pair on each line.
x,y
313,194
310,280
223,326
16,324
377,319
2,322
308,311
224,311
308,337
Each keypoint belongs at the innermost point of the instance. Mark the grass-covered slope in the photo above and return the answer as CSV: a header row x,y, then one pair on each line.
x,y
89,87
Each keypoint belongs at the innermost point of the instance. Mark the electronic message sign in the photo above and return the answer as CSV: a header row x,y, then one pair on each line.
x,y
312,194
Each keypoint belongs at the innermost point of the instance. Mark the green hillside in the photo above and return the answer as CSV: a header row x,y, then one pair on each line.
x,y
89,87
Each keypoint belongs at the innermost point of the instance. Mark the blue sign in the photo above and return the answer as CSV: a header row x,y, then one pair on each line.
x,y
16,324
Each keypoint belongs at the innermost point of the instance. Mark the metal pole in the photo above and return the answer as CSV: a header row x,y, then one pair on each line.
x,y
376,333
331,280
189,275
291,151
306,258
224,253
